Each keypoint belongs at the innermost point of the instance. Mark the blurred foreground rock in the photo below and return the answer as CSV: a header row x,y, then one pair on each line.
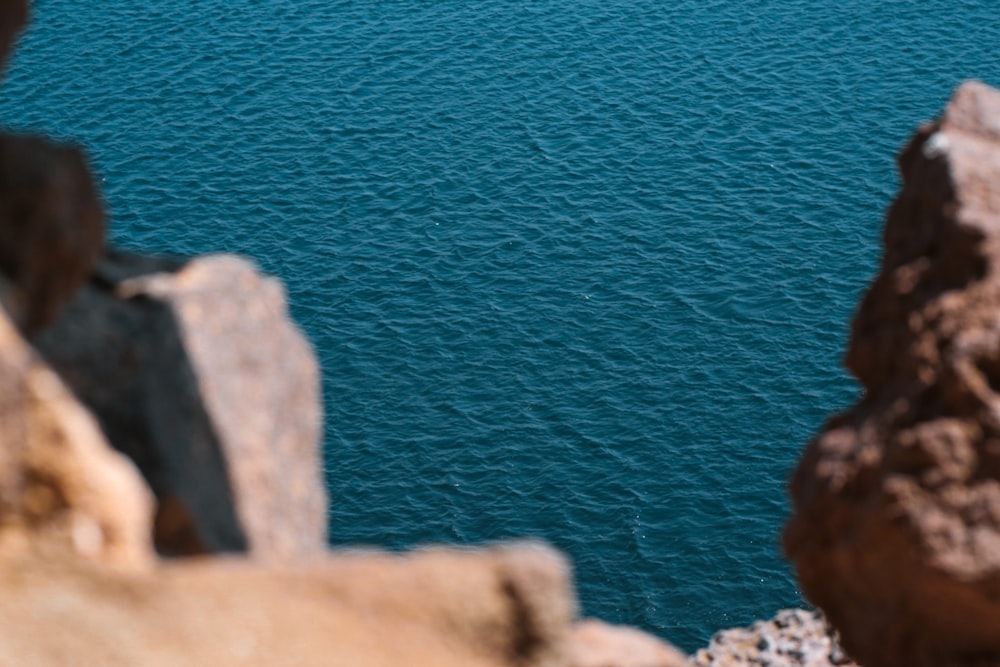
x,y
148,342
51,227
62,488
896,525
594,643
194,371
13,14
508,606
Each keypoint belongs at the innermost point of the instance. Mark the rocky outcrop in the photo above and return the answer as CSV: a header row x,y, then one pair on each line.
x,y
195,372
793,638
896,525
51,227
62,488
595,643
500,607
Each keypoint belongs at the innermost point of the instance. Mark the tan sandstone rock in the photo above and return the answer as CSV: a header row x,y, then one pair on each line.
x,y
63,490
196,373
896,525
499,607
597,644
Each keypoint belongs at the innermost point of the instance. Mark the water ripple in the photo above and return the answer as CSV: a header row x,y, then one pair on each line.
x,y
580,271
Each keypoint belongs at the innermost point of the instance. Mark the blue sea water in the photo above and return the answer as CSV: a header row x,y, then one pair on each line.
x,y
575,270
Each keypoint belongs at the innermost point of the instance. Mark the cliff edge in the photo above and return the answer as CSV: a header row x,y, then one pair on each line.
x,y
896,525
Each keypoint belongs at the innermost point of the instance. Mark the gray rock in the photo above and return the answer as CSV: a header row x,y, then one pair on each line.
x,y
195,372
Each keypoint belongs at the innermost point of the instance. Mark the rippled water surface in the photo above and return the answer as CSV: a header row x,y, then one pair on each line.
x,y
578,270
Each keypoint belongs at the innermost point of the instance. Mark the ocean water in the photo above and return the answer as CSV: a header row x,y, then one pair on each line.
x,y
580,271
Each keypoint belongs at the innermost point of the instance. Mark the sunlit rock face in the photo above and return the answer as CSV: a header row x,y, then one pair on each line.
x,y
896,524
195,371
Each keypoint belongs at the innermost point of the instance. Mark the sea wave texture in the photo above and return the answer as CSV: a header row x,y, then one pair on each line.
x,y
573,270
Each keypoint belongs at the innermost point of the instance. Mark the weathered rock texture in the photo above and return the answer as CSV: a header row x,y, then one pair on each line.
x,y
896,525
500,607
195,372
62,487
793,638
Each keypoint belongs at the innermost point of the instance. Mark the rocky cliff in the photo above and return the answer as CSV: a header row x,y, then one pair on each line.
x,y
896,525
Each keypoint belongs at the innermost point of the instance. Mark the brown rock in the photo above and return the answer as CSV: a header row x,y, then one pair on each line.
x,y
195,372
793,638
597,644
13,16
501,607
62,488
51,227
896,525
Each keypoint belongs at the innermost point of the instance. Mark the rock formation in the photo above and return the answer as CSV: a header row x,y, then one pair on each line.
x,y
793,638
896,525
62,487
195,372
501,607
594,643
51,227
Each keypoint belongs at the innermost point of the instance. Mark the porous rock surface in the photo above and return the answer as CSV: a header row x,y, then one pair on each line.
x,y
895,531
793,638
62,487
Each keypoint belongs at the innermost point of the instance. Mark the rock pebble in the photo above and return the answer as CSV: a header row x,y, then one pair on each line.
x,y
793,638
